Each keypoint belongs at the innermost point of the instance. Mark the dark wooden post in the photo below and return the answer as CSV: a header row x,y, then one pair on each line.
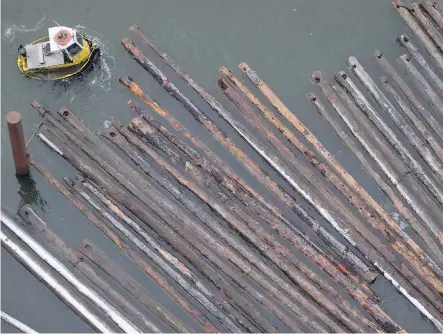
x,y
15,128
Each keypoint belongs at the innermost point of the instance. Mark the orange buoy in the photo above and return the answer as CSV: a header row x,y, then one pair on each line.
x,y
63,37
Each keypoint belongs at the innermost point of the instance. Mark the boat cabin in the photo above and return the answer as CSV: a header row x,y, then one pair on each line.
x,y
59,48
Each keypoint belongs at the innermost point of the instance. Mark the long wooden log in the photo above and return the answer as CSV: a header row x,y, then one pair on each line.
x,y
203,216
418,12
340,249
57,245
220,282
408,92
384,103
418,31
406,43
410,278
124,198
432,11
144,266
421,83
404,211
64,272
300,245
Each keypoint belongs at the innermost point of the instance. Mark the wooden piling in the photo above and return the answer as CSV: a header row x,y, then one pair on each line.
x,y
418,12
18,146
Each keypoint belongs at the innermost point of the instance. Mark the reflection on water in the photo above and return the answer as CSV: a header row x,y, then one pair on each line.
x,y
29,194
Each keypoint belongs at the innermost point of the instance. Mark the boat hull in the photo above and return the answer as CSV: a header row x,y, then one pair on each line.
x,y
62,72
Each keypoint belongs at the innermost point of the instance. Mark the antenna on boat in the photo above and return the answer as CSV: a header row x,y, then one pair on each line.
x,y
56,23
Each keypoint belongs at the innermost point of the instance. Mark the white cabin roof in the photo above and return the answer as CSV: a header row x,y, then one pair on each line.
x,y
52,41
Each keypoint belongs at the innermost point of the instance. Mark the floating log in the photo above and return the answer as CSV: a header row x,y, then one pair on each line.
x,y
427,42
121,244
421,83
405,41
56,265
340,249
359,295
410,95
211,223
404,271
428,26
57,245
432,11
374,116
16,323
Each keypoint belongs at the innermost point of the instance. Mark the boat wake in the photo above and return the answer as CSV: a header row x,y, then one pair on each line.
x,y
106,64
11,32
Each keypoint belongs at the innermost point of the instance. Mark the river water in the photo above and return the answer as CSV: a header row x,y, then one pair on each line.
x,y
283,40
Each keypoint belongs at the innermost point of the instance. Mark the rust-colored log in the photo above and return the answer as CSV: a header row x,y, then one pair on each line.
x,y
18,146
39,228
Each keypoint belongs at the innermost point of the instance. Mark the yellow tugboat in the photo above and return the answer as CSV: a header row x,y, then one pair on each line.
x,y
63,54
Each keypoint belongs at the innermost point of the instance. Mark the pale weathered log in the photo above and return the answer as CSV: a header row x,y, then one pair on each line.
x,y
431,9
427,25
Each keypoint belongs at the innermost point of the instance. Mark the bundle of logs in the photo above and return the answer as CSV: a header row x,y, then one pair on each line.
x,y
232,259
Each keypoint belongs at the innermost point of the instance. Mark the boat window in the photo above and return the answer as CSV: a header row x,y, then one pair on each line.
x,y
74,49
79,38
